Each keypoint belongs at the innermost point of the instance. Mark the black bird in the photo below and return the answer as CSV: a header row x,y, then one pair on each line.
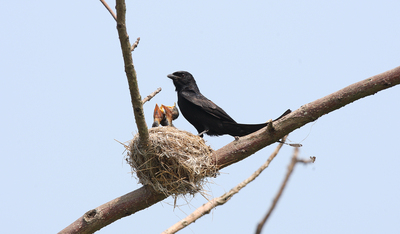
x,y
205,115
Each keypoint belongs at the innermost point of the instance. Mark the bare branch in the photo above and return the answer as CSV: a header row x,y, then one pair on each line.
x,y
306,161
248,145
206,208
150,96
111,211
109,9
278,195
135,44
131,74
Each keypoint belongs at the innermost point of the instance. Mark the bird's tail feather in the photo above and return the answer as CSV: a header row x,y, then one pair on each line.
x,y
288,111
238,129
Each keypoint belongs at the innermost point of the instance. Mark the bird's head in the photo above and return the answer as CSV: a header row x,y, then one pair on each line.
x,y
183,80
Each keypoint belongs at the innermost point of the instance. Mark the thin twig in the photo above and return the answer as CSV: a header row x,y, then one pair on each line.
x,y
279,194
135,44
109,9
207,207
306,161
131,74
150,96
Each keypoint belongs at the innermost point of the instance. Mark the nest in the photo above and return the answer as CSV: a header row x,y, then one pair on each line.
x,y
175,163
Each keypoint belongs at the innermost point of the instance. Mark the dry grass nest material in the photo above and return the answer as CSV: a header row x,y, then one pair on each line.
x,y
176,162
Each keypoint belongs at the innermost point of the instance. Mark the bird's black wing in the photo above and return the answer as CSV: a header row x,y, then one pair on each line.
x,y
205,104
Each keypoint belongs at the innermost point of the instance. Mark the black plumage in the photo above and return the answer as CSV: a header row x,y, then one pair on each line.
x,y
205,115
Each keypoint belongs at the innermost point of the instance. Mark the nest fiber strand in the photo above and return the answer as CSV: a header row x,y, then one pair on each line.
x,y
176,162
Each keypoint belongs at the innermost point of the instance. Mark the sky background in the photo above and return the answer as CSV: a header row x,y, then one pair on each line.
x,y
64,99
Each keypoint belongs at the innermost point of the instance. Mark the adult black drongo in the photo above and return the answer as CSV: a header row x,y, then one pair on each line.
x,y
205,115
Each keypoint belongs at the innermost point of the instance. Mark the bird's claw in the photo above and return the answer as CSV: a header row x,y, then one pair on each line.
x,y
203,132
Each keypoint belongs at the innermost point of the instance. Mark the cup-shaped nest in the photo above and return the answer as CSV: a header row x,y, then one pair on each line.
x,y
175,163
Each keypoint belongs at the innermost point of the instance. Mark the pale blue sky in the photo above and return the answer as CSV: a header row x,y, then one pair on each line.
x,y
65,98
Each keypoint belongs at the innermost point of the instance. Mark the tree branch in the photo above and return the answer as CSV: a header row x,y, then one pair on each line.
x,y
133,47
109,9
247,145
131,74
278,195
111,211
206,208
150,96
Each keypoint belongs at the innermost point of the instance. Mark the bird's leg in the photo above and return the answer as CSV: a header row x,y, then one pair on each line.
x,y
201,134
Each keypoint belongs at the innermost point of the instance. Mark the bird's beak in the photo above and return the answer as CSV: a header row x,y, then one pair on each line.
x,y
158,113
173,109
172,76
